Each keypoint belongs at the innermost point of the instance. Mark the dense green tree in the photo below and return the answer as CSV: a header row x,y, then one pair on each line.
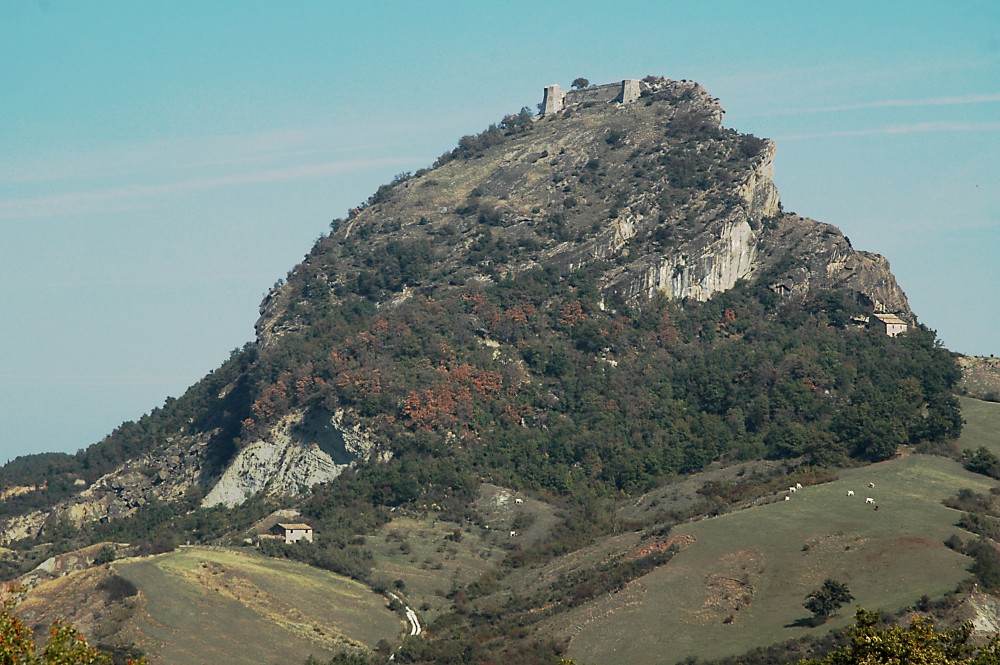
x,y
825,601
986,563
981,460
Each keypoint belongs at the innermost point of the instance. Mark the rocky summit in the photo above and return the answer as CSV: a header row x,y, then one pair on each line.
x,y
656,190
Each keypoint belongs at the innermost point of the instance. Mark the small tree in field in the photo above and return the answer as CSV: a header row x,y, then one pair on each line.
x,y
580,83
825,601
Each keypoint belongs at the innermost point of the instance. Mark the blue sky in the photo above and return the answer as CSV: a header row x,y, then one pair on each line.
x,y
163,164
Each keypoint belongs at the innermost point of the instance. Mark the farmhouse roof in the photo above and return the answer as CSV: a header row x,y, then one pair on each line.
x,y
889,318
298,526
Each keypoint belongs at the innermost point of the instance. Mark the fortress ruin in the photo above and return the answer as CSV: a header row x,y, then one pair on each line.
x,y
556,100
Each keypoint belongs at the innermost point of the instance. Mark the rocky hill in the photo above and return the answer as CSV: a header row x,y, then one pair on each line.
x,y
655,196
508,377
614,271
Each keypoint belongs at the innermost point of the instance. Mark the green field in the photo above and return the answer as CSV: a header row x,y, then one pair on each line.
x,y
203,605
982,425
742,581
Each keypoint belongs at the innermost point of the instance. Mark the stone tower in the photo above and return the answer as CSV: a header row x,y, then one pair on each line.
x,y
552,102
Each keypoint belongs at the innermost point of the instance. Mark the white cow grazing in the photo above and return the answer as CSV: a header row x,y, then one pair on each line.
x,y
798,486
850,492
788,498
513,534
871,484
868,499
518,500
791,489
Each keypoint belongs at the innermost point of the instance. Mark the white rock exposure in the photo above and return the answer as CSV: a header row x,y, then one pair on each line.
x,y
273,467
289,461
716,267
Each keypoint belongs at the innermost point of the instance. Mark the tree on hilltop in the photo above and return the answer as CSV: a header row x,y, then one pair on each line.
x,y
580,83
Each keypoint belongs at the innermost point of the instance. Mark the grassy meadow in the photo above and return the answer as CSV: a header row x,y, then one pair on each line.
x,y
982,425
203,605
741,581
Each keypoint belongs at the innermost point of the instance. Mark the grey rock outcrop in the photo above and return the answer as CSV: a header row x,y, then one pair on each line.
x,y
303,451
175,469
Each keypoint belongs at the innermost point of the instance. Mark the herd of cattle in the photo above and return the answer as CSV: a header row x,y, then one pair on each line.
x,y
797,486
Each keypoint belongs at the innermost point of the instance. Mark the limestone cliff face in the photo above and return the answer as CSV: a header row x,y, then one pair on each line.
x,y
272,468
19,527
818,256
304,450
704,268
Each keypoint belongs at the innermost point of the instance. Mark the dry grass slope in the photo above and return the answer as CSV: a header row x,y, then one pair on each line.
x,y
220,606
742,580
982,425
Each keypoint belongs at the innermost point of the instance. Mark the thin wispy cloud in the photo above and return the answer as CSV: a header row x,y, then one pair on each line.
x,y
182,154
844,73
97,380
159,155
95,200
915,128
958,100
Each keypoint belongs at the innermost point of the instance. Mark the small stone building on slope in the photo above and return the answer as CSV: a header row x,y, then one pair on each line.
x,y
292,532
888,324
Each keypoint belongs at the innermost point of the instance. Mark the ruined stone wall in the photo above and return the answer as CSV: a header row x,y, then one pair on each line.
x,y
608,92
555,99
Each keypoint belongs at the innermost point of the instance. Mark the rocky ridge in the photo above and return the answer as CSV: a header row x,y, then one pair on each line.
x,y
692,210
981,377
284,464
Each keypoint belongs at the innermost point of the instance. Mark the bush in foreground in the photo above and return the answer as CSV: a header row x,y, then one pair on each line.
x,y
872,644
66,646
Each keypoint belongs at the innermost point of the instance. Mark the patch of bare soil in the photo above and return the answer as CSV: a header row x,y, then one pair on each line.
x,y
732,588
79,599
985,614
834,542
504,511
680,540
